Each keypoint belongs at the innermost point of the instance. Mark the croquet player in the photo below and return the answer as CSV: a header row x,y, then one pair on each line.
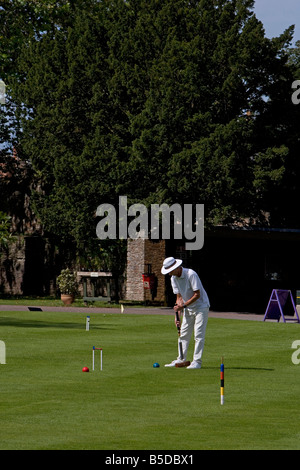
x,y
193,301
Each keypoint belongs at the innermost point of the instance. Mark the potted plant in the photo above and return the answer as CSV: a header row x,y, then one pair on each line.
x,y
68,286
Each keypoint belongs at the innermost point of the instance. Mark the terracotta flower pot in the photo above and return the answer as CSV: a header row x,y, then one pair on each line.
x,y
67,299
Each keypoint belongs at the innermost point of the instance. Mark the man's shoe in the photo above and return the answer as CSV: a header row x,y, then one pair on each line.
x,y
194,365
173,363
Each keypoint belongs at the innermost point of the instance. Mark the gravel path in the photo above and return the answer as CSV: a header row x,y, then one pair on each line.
x,y
130,310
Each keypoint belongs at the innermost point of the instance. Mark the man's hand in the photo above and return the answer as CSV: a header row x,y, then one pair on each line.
x,y
179,303
177,308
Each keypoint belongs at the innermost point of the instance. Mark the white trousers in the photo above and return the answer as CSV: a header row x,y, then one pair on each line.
x,y
193,322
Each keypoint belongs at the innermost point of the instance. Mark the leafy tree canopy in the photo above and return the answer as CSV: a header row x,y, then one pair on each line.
x,y
160,100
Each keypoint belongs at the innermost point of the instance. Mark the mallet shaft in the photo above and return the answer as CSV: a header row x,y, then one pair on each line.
x,y
178,319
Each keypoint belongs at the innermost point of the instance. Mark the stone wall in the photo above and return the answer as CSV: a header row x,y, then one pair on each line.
x,y
135,269
31,264
141,253
155,255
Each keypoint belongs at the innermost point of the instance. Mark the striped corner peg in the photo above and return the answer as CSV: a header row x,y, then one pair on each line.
x,y
222,381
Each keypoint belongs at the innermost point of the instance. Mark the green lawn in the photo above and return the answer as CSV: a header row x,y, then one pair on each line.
x,y
47,402
51,302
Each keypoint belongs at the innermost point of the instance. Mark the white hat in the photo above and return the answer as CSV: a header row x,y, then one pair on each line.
x,y
170,264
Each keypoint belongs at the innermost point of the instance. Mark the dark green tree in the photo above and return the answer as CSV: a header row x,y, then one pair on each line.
x,y
210,124
162,101
294,59
5,232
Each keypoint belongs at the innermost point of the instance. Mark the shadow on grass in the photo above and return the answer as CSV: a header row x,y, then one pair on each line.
x,y
249,368
242,368
22,323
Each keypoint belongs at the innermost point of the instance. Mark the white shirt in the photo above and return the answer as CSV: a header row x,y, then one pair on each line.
x,y
186,285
